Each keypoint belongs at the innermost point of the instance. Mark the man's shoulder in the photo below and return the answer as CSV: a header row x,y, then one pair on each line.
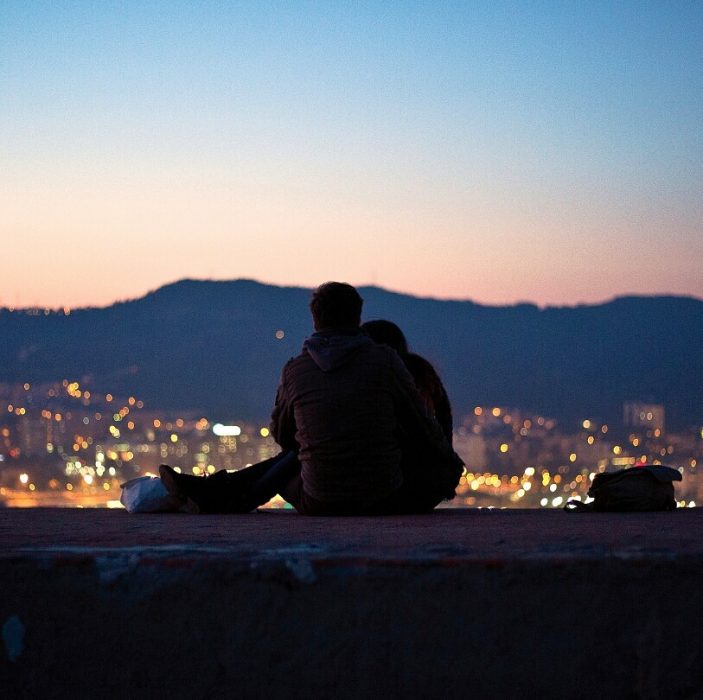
x,y
367,355
296,360
299,362
382,353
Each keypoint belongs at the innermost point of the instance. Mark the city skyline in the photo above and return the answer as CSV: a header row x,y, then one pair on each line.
x,y
498,153
62,444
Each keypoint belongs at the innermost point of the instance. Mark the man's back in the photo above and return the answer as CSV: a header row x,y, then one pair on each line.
x,y
339,403
355,435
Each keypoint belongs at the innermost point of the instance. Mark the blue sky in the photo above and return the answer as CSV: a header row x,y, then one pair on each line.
x,y
549,152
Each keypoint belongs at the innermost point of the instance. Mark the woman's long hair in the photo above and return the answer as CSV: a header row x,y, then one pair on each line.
x,y
423,373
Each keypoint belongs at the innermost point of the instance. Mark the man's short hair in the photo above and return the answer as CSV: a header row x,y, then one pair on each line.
x,y
335,304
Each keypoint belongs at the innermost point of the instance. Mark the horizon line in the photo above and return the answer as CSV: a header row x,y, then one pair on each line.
x,y
66,308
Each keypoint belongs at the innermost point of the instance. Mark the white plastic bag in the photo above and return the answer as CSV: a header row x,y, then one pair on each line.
x,y
147,494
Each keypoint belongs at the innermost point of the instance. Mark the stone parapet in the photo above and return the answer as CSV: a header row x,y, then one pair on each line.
x,y
454,604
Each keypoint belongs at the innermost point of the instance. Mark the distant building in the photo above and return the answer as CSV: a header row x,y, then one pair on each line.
x,y
472,449
644,416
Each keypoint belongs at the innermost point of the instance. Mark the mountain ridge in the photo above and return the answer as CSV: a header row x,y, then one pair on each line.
x,y
211,346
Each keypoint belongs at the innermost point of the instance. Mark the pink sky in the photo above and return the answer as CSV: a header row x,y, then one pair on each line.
x,y
94,240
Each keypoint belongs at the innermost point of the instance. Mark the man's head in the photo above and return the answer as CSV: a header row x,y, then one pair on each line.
x,y
335,304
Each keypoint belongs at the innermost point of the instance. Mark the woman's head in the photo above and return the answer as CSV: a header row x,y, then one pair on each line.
x,y
387,333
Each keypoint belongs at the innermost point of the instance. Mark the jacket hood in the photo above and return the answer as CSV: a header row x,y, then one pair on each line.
x,y
330,350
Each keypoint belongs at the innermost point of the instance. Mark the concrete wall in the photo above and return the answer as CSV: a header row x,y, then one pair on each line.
x,y
143,624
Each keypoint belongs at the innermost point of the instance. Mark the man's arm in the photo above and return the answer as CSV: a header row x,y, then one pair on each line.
x,y
283,426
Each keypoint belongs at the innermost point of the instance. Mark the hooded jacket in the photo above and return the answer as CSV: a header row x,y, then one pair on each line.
x,y
348,405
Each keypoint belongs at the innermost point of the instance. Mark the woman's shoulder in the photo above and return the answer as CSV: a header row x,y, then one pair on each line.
x,y
419,366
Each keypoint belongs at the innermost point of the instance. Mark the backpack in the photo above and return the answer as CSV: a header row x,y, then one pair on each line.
x,y
631,490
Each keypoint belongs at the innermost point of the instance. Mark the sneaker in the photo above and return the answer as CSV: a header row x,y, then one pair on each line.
x,y
180,487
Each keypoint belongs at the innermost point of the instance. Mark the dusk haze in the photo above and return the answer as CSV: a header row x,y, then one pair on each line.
x,y
499,152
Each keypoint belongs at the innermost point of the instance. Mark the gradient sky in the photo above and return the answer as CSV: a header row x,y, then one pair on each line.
x,y
541,151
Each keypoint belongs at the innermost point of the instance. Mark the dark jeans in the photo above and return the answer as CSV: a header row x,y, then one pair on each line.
x,y
244,490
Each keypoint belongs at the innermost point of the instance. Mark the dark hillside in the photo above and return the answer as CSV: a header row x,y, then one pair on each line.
x,y
212,347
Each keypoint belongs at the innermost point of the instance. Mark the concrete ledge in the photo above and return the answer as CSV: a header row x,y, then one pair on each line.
x,y
458,603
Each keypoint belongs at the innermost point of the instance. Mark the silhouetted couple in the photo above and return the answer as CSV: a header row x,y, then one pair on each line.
x,y
364,426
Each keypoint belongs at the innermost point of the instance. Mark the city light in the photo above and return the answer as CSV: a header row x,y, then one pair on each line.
x,y
56,434
226,430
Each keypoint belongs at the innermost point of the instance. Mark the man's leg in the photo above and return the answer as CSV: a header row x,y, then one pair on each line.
x,y
274,480
232,492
